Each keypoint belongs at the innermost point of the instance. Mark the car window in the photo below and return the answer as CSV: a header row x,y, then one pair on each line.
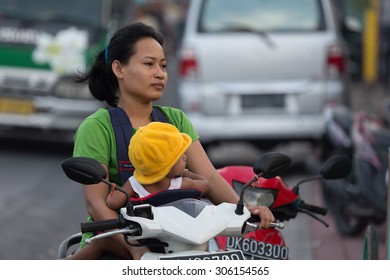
x,y
261,15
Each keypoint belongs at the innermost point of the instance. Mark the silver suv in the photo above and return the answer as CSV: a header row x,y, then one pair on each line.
x,y
259,70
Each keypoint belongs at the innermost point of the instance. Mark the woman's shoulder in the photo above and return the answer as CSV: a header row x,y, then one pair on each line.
x,y
99,117
174,115
96,125
179,119
169,110
93,138
99,114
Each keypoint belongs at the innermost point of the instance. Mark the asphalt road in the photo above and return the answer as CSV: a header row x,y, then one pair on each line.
x,y
39,206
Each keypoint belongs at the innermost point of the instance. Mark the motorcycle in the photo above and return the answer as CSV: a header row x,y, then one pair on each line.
x,y
360,198
206,231
284,202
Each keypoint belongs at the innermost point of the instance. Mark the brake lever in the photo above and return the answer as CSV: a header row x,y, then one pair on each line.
x,y
314,216
110,233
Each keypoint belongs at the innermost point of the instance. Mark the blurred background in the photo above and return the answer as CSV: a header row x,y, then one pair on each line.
x,y
44,43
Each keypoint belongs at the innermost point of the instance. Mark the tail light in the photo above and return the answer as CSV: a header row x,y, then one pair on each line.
x,y
335,61
188,66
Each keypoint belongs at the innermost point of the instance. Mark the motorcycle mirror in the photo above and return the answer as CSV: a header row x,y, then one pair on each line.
x,y
271,164
336,167
89,171
86,171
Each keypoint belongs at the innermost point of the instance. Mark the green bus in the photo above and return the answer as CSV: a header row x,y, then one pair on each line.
x,y
43,44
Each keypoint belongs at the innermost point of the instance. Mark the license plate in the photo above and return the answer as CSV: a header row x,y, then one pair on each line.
x,y
229,255
16,106
256,250
262,101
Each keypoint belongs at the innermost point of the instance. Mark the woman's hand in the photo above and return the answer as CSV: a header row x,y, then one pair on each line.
x,y
265,214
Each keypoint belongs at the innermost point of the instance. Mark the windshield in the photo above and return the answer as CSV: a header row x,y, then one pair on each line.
x,y
190,206
261,15
87,12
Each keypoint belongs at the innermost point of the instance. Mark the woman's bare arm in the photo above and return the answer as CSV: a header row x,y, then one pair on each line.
x,y
95,198
199,163
220,190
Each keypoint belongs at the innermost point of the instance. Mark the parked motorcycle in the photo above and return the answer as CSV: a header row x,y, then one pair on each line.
x,y
360,198
206,231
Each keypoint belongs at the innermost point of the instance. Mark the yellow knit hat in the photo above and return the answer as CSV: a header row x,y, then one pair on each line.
x,y
154,149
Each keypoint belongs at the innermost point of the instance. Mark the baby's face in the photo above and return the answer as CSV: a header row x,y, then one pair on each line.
x,y
178,169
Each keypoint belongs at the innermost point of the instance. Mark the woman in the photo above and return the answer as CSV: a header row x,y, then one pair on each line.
x,y
157,152
131,73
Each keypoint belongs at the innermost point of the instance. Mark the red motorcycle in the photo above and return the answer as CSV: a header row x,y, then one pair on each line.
x,y
284,202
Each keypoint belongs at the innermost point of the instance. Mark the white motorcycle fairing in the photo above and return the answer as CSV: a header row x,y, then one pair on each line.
x,y
187,225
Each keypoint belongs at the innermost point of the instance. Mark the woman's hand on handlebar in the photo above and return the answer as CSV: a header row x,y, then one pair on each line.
x,y
265,214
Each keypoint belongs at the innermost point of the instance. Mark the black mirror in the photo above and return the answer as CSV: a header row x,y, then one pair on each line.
x,y
336,167
86,171
272,164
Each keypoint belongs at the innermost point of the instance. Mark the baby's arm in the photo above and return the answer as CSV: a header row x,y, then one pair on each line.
x,y
116,199
195,181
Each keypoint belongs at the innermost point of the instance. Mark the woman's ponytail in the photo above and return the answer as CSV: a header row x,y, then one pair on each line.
x,y
102,82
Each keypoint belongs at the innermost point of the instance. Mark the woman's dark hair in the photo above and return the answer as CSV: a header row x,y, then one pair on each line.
x,y
102,82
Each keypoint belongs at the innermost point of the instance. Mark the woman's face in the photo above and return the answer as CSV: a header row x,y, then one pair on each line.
x,y
144,77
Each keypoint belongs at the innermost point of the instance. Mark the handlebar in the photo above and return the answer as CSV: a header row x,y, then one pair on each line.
x,y
253,226
312,208
106,225
111,233
254,221
100,225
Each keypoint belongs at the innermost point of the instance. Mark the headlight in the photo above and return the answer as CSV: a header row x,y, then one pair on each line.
x,y
67,88
256,196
